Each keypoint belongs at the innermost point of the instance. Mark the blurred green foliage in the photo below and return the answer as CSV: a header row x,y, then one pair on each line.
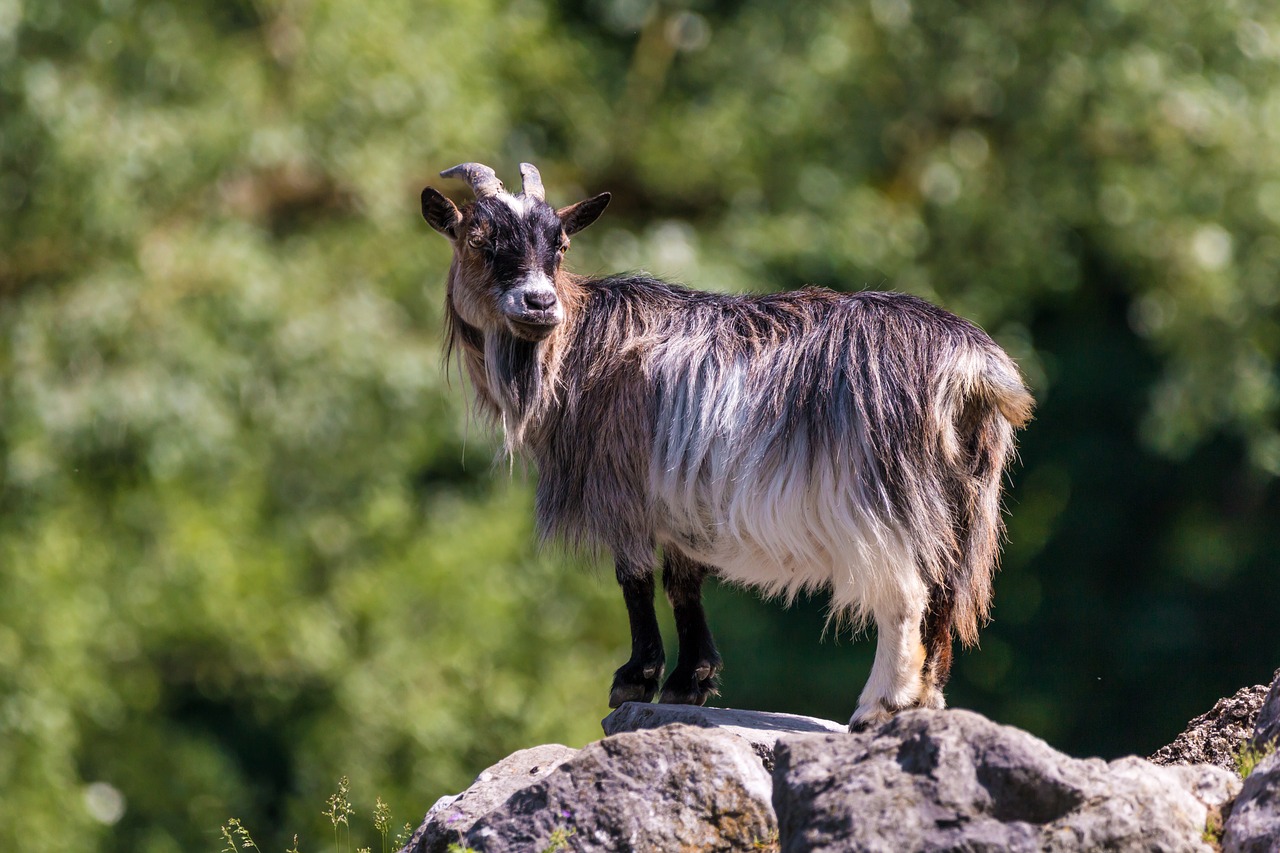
x,y
250,540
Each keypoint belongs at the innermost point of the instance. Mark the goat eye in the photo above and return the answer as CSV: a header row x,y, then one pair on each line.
x,y
476,241
564,247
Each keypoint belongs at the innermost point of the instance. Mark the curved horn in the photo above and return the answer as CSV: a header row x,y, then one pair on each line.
x,y
484,181
531,182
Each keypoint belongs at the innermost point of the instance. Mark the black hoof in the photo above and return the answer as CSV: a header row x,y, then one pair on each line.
x,y
635,682
693,685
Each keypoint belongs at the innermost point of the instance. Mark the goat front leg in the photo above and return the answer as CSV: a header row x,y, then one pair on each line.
x,y
637,679
694,679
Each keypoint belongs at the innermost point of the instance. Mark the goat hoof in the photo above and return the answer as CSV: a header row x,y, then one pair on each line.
x,y
869,718
630,693
693,686
857,727
635,683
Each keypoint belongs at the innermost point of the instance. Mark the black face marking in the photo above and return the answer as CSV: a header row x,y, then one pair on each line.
x,y
516,244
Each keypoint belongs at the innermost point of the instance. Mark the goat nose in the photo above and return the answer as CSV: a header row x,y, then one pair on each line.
x,y
539,299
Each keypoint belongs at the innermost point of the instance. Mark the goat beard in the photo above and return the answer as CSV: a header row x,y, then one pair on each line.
x,y
516,378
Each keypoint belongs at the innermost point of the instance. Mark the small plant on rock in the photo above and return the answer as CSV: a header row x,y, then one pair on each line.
x,y
1250,755
768,843
1212,834
559,840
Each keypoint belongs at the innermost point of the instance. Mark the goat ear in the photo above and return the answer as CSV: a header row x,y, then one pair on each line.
x,y
440,213
575,217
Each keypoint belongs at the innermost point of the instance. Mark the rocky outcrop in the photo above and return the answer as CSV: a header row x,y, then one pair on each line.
x,y
1267,727
678,788
1215,736
1254,823
758,728
957,781
452,817
683,778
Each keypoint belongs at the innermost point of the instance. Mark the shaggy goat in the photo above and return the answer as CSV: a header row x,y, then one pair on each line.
x,y
794,441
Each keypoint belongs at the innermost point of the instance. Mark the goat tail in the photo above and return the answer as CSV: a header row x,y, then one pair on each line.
x,y
994,404
1001,383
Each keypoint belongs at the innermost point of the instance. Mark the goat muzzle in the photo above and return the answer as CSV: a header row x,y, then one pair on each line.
x,y
532,308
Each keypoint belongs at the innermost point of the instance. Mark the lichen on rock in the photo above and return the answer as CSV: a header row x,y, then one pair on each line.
x,y
1215,736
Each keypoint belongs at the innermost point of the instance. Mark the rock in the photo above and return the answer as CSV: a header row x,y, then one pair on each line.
x,y
1254,823
674,789
1267,727
953,780
452,816
761,729
1215,737
688,778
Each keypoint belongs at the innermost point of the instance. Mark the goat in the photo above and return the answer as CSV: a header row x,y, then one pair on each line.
x,y
788,442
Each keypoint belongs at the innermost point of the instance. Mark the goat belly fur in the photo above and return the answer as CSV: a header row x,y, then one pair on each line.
x,y
798,441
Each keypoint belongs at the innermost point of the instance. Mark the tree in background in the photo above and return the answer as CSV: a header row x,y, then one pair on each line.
x,y
249,539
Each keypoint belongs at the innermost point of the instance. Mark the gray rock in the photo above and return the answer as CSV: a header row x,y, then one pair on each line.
x,y
675,788
1215,737
1267,728
1254,823
953,780
453,816
761,729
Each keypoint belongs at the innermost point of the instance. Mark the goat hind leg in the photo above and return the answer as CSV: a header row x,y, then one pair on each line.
x,y
936,628
897,676
694,679
637,679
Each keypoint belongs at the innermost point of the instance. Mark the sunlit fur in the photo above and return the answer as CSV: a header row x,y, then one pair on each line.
x,y
795,442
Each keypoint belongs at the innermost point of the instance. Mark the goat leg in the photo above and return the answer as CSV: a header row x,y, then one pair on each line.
x,y
637,679
695,677
936,630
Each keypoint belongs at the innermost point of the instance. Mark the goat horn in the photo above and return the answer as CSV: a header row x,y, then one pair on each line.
x,y
531,182
484,181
